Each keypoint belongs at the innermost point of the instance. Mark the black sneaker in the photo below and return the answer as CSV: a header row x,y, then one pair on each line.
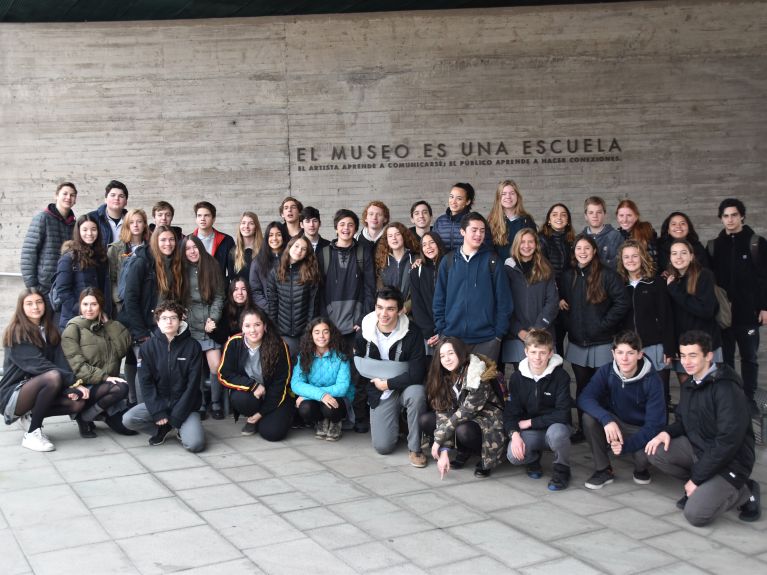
x,y
249,428
680,504
161,434
642,477
481,472
751,510
600,478
217,413
460,460
560,477
534,469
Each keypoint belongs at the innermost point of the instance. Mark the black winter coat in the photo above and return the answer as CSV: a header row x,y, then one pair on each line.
x,y
291,306
71,280
650,314
545,402
423,280
714,417
170,376
140,295
698,310
593,324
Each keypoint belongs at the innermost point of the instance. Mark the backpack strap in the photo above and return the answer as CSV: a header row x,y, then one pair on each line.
x,y
325,259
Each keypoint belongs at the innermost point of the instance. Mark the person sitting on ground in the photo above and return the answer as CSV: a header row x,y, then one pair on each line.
x,y
322,379
537,414
623,407
169,375
710,446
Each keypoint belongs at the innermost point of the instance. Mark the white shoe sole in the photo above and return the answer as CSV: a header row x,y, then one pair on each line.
x,y
39,447
588,485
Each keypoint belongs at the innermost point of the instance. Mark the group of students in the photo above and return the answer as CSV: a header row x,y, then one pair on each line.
x,y
292,328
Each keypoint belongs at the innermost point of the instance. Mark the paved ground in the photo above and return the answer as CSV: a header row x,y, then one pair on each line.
x,y
115,505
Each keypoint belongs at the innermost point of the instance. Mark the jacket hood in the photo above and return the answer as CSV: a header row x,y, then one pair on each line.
x,y
555,361
722,372
640,374
52,211
745,233
369,327
183,331
481,368
93,325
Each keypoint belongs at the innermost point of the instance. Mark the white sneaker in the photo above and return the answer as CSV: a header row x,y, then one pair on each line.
x,y
23,422
37,441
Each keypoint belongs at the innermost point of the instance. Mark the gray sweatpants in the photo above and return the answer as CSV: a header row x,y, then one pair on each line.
x,y
556,437
191,432
600,449
384,419
711,498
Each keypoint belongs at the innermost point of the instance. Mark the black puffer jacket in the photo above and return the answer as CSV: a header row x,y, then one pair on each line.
x,y
42,247
291,305
593,324
557,250
698,310
170,376
140,295
713,415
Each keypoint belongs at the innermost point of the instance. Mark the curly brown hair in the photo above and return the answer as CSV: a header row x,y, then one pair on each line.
x,y
272,346
383,251
337,343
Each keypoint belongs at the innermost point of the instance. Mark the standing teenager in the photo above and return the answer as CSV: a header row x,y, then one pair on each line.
x,y
448,225
266,260
247,243
423,279
394,256
507,217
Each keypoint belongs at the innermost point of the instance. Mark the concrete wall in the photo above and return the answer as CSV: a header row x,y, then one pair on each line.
x,y
229,110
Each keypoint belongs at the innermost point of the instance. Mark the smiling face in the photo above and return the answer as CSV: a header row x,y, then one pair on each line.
x,y
457,200
90,308
346,230
166,242
509,199
538,357
680,257
626,218
387,314
473,236
527,245
429,247
375,219
89,232
34,308
626,358
192,252
632,260
694,361
678,228
274,239
253,329
584,253
298,250
247,227
558,219
240,292
321,338
447,357
66,198
421,217
394,239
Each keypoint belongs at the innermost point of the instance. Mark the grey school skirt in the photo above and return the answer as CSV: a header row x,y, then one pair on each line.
x,y
591,356
655,354
10,407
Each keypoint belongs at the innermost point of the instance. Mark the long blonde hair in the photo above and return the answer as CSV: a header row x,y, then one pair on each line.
x,y
239,242
541,271
497,218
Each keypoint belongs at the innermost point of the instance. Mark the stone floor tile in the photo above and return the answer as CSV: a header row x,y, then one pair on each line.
x,y
439,510
262,487
246,473
326,487
633,523
339,536
400,570
299,558
704,552
60,534
74,561
178,549
363,509
306,519
582,501
215,497
370,556
23,478
249,444
170,455
381,518
391,483
356,466
290,501
71,446
99,467
488,495
296,467
478,565
41,504
431,548
192,478
142,517
546,521
676,569
251,526
117,490
13,560
647,501
242,566
331,450
568,565
504,543
614,552
226,460
15,457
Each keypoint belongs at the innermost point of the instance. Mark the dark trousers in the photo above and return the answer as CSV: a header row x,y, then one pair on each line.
x,y
360,404
312,411
468,435
273,426
600,449
747,339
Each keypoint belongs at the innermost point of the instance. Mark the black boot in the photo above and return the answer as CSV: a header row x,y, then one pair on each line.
x,y
86,428
115,423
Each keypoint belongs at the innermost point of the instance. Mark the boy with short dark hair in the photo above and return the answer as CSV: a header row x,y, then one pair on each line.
x,y
608,239
111,213
217,244
310,224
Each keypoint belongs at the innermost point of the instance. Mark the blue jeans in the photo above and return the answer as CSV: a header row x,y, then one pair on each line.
x,y
747,338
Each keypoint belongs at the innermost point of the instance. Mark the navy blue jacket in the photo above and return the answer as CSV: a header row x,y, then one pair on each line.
x,y
105,229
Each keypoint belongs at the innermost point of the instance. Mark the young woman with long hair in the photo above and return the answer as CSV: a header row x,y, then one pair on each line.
x,y
204,303
533,291
267,259
394,257
292,291
37,380
255,366
95,346
247,243
423,280
448,225
649,312
83,263
632,227
557,238
678,226
594,303
507,217
237,300
322,379
468,414
156,275
693,301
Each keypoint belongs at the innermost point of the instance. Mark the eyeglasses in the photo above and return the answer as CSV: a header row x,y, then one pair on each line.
x,y
168,318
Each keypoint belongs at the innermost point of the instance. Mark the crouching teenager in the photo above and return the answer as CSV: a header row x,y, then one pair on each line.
x,y
537,414
171,362
255,366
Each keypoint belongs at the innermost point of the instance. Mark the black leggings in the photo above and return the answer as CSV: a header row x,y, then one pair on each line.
x,y
468,435
103,396
273,426
582,377
312,411
43,395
